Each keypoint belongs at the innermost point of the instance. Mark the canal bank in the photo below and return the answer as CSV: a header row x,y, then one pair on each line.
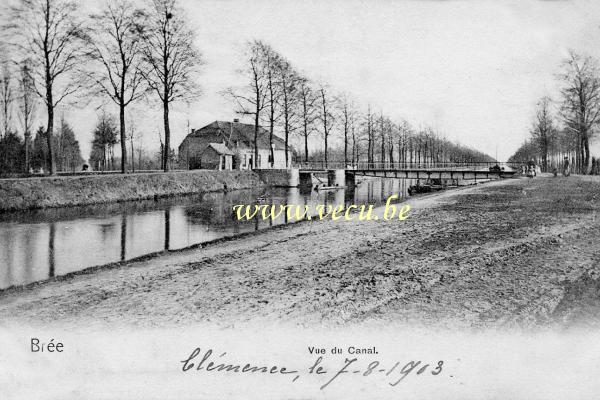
x,y
63,191
518,252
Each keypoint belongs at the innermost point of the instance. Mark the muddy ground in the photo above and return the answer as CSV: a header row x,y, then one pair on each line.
x,y
512,253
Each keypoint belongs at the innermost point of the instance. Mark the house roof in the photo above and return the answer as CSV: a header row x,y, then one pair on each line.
x,y
241,133
220,148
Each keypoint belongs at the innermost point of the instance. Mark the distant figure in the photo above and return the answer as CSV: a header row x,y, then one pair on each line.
x,y
85,168
555,171
531,172
566,167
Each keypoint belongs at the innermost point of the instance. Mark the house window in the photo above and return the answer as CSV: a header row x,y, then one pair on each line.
x,y
258,163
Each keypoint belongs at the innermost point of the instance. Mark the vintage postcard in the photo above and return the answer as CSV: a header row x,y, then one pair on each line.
x,y
299,199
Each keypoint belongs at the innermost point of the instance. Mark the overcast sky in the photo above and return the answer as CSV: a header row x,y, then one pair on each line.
x,y
471,69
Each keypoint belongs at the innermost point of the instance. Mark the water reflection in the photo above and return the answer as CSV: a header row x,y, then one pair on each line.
x,y
36,245
51,241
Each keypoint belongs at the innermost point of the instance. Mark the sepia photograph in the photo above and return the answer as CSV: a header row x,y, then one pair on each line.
x,y
299,199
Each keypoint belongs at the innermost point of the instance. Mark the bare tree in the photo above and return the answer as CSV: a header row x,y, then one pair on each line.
x,y
48,33
581,103
543,130
173,60
370,135
132,136
382,133
392,132
116,52
271,65
347,116
405,131
326,116
252,98
27,107
288,83
308,110
355,153
6,97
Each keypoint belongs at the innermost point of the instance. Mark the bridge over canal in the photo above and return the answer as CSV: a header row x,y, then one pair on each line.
x,y
339,174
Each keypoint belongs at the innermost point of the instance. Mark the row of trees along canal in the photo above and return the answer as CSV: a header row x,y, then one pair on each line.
x,y
126,53
565,127
279,97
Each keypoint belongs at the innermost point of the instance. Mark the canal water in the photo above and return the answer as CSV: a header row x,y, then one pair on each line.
x,y
37,245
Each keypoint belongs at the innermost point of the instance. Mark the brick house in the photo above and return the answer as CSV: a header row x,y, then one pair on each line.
x,y
215,156
211,146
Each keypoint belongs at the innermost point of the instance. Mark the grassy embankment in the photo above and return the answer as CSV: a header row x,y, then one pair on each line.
x,y
31,193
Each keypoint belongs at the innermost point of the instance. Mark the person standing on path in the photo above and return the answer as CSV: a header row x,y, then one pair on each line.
x,y
566,170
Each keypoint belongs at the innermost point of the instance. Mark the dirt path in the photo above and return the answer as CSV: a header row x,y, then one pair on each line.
x,y
508,253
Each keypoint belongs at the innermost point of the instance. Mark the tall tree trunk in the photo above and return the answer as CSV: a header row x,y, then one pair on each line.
x,y
325,129
256,116
167,145
123,139
287,139
382,142
326,148
27,156
132,156
581,156
353,145
368,145
305,142
49,135
345,139
271,129
588,160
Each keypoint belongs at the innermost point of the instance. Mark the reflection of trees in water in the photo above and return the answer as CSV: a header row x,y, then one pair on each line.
x,y
31,237
98,211
51,247
123,237
8,246
107,230
216,209
377,190
167,228
20,250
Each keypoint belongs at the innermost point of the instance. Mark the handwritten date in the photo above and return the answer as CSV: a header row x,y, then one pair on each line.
x,y
395,374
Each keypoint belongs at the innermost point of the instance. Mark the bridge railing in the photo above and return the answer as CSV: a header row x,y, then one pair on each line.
x,y
316,165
